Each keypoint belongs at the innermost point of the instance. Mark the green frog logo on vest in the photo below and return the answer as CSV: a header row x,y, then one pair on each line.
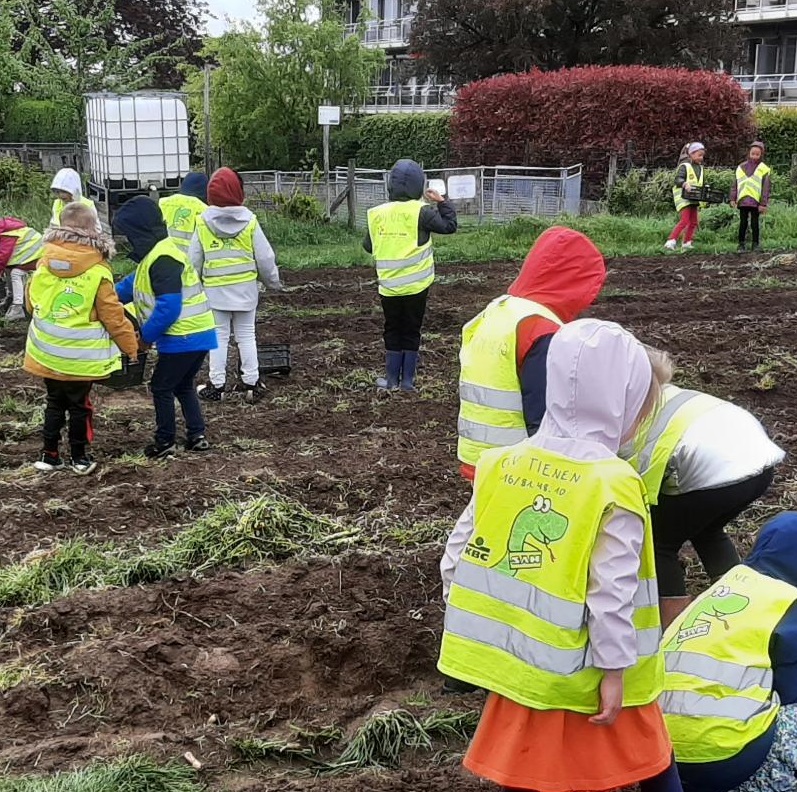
x,y
67,304
715,608
181,216
533,532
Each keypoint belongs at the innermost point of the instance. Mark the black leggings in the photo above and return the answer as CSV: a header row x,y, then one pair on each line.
x,y
403,321
700,517
68,397
749,214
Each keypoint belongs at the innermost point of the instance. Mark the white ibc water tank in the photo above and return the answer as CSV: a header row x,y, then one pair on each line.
x,y
137,139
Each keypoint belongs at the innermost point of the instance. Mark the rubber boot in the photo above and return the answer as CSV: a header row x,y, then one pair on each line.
x,y
670,608
392,371
408,371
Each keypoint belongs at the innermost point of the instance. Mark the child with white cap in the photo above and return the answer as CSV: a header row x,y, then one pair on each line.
x,y
688,176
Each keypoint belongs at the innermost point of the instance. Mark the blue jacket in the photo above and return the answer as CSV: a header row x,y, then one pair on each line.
x,y
774,555
141,221
196,185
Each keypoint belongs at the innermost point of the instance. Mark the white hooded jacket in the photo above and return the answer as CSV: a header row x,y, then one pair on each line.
x,y
68,181
599,376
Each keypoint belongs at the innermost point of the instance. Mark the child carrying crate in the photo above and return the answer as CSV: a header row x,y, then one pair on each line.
x,y
688,176
750,192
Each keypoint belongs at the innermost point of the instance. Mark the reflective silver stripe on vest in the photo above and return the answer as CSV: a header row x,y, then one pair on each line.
x,y
71,333
189,292
29,254
406,280
732,675
218,255
549,608
693,705
392,264
193,310
491,397
647,594
491,435
660,427
232,269
175,234
73,353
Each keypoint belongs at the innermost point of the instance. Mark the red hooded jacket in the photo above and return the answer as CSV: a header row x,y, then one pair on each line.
x,y
225,188
563,271
8,243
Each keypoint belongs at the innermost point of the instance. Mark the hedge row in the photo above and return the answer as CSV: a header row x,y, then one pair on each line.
x,y
642,193
27,120
423,137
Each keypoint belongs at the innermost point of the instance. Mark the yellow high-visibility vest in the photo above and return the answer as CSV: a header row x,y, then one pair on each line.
x,y
657,440
62,335
490,399
195,316
692,178
516,618
751,186
29,246
718,694
58,207
180,213
228,261
402,266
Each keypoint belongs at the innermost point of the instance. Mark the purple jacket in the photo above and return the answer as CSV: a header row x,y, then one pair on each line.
x,y
749,168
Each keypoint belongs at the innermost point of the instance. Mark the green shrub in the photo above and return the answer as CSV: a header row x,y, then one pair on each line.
x,y
423,137
299,206
717,217
778,130
42,121
18,182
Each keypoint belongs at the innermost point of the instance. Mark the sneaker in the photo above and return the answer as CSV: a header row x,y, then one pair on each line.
x,y
671,244
686,246
83,465
742,248
210,392
16,313
756,248
157,451
198,444
48,463
254,393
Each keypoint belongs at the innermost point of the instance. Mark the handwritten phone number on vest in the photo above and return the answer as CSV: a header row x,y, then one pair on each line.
x,y
524,483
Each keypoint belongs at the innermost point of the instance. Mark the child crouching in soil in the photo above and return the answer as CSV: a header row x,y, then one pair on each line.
x,y
689,175
750,192
552,605
77,329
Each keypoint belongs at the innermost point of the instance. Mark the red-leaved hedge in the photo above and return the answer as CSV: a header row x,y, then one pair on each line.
x,y
572,115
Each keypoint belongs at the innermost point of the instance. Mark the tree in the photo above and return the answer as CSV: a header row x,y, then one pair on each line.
x,y
269,82
472,39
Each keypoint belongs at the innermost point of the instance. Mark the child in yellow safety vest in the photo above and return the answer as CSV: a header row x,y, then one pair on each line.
x,y
688,176
67,187
552,605
730,692
750,192
77,330
20,249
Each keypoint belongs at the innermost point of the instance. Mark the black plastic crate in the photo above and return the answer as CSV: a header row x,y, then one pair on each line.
x,y
131,375
704,195
274,359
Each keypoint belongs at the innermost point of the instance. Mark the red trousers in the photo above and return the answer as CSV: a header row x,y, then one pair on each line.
x,y
687,225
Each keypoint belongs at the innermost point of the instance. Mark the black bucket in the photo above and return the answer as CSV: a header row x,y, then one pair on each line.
x,y
131,375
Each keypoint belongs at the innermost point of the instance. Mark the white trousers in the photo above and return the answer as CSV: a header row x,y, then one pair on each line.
x,y
18,278
242,325
457,541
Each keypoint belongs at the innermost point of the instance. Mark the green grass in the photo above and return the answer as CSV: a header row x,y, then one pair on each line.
x,y
36,212
132,774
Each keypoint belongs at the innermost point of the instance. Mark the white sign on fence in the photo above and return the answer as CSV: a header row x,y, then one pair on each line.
x,y
462,187
328,115
438,184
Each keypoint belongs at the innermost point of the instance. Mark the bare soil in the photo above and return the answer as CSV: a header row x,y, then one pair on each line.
x,y
195,663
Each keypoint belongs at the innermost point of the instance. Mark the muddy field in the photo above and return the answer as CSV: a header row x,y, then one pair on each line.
x,y
205,662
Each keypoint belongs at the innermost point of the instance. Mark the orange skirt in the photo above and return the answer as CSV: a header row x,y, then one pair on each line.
x,y
561,751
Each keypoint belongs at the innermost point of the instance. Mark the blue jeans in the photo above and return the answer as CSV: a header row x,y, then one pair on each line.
x,y
174,378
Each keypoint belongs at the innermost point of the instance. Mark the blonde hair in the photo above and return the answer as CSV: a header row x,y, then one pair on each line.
x,y
79,217
662,367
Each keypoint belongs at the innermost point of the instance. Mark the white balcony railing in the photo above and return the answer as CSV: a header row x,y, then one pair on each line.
x,y
385,33
765,10
769,89
409,99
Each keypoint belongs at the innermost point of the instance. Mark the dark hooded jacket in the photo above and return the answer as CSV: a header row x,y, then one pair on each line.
x,y
195,185
406,183
141,221
565,272
772,555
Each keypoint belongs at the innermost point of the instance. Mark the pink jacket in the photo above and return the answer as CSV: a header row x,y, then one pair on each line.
x,y
8,243
598,378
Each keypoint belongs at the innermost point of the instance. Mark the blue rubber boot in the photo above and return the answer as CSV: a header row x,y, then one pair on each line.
x,y
392,371
408,371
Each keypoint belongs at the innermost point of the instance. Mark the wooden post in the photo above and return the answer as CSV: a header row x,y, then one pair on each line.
x,y
352,196
612,178
326,165
208,155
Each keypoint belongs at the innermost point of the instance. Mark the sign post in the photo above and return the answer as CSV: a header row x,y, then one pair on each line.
x,y
328,115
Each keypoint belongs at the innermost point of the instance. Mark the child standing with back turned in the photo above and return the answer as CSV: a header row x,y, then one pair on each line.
x,y
750,192
553,605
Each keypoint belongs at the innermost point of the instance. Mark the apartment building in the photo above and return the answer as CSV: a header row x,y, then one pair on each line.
x,y
398,90
768,68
